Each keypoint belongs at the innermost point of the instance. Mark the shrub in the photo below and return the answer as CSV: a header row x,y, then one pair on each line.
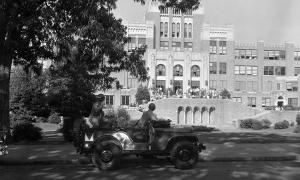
x,y
256,125
297,129
26,132
246,123
142,94
292,124
123,118
41,120
298,119
20,115
281,125
54,118
204,129
266,123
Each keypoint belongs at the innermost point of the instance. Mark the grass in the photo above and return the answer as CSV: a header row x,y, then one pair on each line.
x,y
47,127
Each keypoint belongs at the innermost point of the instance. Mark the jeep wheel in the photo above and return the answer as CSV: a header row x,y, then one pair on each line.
x,y
107,156
184,155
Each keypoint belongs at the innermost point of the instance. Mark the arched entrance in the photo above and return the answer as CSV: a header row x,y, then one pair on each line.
x,y
197,115
280,101
211,115
189,115
204,115
180,115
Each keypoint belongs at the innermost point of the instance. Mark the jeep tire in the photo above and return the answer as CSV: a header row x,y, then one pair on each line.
x,y
107,155
184,155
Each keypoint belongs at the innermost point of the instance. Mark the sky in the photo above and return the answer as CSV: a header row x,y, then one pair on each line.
x,y
272,21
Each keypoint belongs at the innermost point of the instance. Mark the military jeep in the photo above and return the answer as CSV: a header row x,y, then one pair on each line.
x,y
107,146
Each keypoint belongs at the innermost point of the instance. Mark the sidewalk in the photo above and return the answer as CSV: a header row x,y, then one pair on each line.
x,y
65,153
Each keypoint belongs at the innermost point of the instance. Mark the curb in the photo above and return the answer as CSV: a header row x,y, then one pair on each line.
x,y
87,162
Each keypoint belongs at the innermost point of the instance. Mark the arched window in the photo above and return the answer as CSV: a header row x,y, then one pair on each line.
x,y
161,70
195,71
178,70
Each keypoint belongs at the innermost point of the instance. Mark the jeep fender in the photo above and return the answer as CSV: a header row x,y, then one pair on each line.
x,y
121,139
99,141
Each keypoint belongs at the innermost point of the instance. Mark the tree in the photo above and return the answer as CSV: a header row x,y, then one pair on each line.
x,y
27,91
225,94
142,94
50,29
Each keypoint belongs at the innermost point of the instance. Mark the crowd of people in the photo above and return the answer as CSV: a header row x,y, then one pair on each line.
x,y
159,93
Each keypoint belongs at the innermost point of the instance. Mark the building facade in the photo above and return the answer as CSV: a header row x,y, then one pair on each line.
x,y
184,52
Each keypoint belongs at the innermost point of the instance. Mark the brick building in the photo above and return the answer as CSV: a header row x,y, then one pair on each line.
x,y
184,52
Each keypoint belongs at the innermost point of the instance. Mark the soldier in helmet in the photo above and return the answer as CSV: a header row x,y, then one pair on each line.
x,y
96,118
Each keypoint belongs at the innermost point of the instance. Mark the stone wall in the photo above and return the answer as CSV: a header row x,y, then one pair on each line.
x,y
202,111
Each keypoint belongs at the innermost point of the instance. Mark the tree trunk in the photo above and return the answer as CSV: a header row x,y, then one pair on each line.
x,y
5,68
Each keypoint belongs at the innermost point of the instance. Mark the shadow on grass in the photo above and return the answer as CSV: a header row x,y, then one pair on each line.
x,y
246,137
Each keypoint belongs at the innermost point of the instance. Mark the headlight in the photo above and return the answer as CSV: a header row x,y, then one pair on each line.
x,y
86,146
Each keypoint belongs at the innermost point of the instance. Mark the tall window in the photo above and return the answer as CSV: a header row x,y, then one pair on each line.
x,y
141,41
268,70
166,30
223,84
125,100
279,71
161,29
222,47
297,55
252,86
161,70
178,70
213,47
245,54
176,46
109,100
173,29
293,102
164,45
178,30
274,55
292,86
188,46
190,30
222,69
237,99
240,70
195,71
212,84
297,71
131,43
212,68
252,101
185,30
265,101
240,85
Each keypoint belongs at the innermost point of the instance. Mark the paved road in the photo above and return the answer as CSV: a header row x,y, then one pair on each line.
x,y
158,169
